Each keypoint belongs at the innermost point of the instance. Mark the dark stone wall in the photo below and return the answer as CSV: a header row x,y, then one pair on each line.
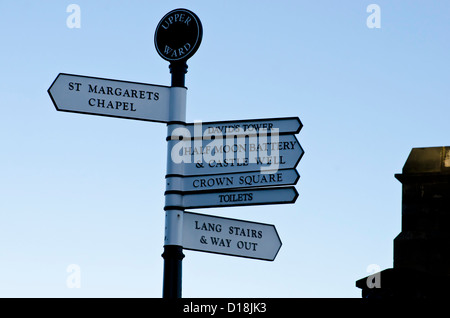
x,y
422,249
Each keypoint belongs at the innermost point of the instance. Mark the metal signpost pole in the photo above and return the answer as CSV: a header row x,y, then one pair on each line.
x,y
177,37
173,244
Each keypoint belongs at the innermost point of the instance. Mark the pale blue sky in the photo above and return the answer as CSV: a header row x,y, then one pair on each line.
x,y
88,190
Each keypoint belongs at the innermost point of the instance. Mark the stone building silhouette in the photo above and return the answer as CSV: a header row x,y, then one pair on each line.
x,y
422,249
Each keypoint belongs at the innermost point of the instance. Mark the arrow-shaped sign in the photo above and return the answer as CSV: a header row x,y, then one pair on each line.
x,y
114,98
231,128
232,181
263,196
227,236
219,156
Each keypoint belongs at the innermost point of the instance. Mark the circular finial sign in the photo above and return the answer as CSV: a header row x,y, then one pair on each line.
x,y
178,35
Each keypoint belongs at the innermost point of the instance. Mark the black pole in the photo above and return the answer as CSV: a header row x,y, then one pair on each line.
x,y
178,70
173,257
173,254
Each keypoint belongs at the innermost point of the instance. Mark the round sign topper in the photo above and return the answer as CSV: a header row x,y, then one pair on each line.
x,y
178,35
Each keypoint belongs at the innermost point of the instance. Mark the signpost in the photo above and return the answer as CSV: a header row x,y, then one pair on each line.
x,y
227,236
178,35
212,164
232,181
231,128
215,199
113,98
218,156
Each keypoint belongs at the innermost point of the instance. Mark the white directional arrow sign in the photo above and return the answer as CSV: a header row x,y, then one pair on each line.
x,y
230,236
285,125
257,196
232,181
207,157
114,98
